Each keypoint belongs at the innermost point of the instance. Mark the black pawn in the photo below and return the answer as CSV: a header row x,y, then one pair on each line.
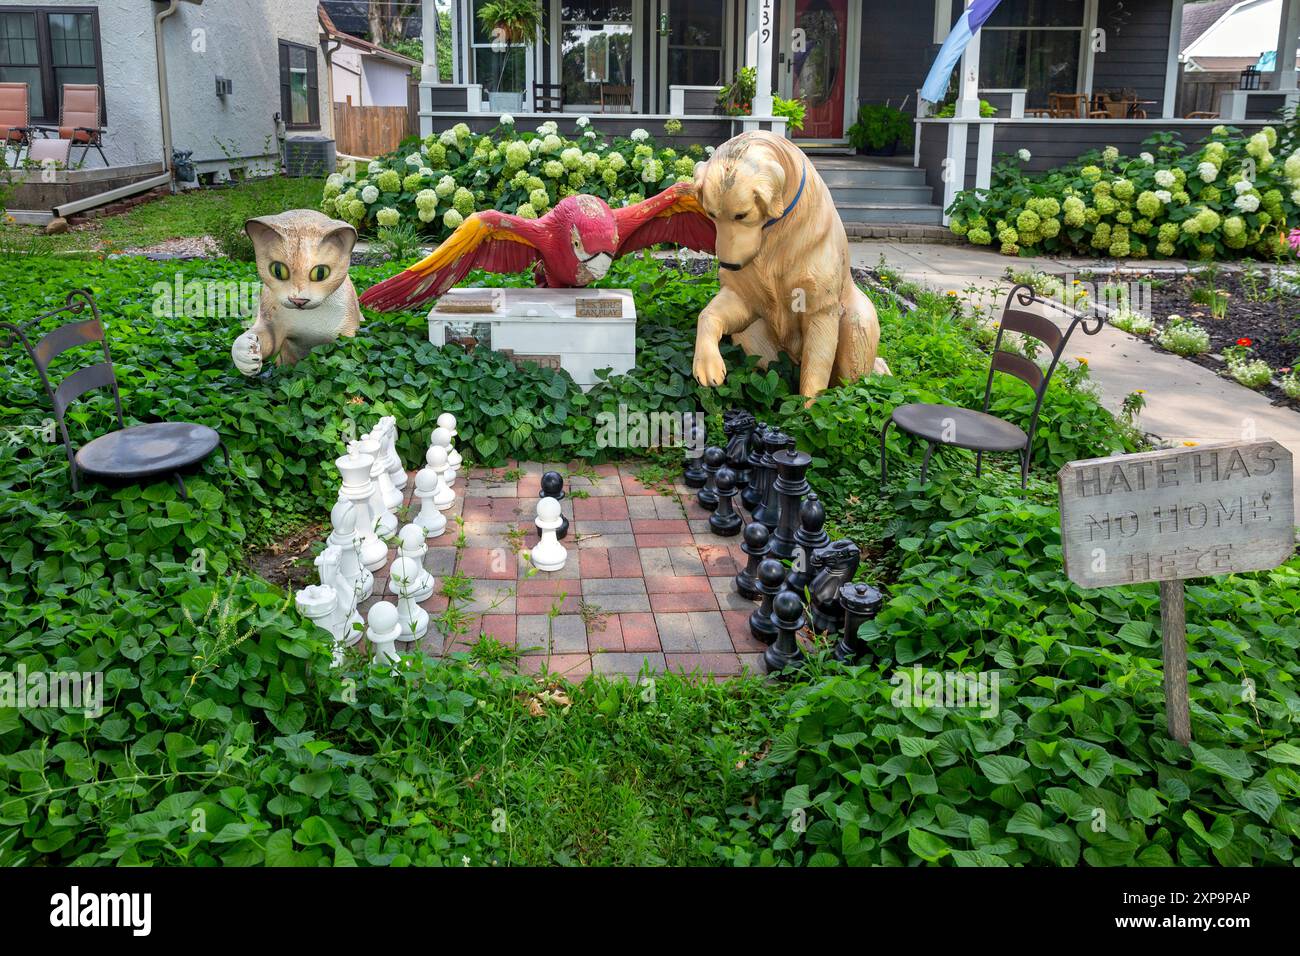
x,y
771,575
769,512
752,496
714,458
553,487
789,488
788,620
839,562
694,474
724,522
861,603
754,545
810,536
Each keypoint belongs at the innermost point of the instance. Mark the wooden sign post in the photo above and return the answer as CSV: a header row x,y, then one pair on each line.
x,y
1174,514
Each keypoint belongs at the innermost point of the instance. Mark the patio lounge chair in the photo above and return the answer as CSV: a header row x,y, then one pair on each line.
x,y
15,118
53,150
79,118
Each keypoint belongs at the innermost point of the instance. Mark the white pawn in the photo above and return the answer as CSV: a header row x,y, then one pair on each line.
x,y
429,518
343,520
443,496
409,566
413,619
396,472
549,554
359,489
319,604
382,631
441,438
448,421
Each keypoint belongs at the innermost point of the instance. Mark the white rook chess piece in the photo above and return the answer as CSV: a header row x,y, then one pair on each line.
x,y
396,471
383,631
409,565
429,518
319,604
549,554
441,438
359,489
343,520
443,496
448,421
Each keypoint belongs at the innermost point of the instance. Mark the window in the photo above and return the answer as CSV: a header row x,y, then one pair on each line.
x,y
498,67
299,99
595,48
1036,45
695,30
46,48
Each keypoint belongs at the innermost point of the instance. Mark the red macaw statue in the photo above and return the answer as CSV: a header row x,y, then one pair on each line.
x,y
572,245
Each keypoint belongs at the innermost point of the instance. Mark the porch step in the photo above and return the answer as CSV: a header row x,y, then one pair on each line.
x,y
871,193
870,175
918,213
887,190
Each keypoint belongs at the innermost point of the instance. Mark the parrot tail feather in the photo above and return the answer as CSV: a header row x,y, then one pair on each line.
x,y
405,289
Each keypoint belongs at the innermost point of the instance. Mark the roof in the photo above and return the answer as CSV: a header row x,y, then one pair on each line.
x,y
365,47
1199,17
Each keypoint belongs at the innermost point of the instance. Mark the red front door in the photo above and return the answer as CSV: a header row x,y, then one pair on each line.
x,y
818,61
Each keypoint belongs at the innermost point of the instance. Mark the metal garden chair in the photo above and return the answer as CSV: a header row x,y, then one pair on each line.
x,y
979,431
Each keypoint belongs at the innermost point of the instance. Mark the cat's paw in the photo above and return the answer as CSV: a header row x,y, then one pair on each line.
x,y
247,353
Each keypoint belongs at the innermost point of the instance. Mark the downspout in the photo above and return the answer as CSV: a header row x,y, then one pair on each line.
x,y
329,52
164,102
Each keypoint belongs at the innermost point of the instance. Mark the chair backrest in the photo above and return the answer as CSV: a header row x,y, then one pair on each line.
x,y
548,97
52,149
616,93
15,106
80,106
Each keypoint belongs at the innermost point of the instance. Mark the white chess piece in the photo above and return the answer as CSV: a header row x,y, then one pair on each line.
x,y
385,492
409,565
343,521
359,489
441,438
414,620
396,471
549,554
429,518
328,563
319,604
382,631
443,496
448,421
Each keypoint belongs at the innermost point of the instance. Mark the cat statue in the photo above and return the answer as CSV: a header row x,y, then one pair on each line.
x,y
307,297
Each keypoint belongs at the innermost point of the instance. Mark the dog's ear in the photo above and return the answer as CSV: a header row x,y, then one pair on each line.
x,y
769,187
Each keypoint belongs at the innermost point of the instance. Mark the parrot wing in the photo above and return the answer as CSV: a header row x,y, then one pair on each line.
x,y
495,241
674,215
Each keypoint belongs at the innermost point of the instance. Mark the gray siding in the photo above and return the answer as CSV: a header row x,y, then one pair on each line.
x,y
897,50
1137,49
933,139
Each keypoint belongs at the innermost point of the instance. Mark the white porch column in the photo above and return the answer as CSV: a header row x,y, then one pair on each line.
x,y
1173,68
1284,73
766,25
968,90
429,37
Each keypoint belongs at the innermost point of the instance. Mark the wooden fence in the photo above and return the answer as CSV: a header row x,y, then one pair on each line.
x,y
370,130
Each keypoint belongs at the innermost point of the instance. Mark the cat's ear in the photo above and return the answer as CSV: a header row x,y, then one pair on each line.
x,y
262,230
341,237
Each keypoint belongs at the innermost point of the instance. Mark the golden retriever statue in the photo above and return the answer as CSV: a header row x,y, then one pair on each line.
x,y
783,263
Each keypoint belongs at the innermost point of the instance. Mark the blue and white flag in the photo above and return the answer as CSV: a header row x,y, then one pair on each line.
x,y
963,31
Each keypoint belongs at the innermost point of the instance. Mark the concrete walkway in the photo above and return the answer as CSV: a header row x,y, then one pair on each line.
x,y
1185,402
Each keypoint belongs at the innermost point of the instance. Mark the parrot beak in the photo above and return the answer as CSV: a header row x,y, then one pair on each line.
x,y
599,264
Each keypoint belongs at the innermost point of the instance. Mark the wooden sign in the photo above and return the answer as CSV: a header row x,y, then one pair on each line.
x,y
598,307
1173,514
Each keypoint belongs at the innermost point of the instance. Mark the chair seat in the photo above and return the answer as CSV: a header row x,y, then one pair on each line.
x,y
141,451
968,429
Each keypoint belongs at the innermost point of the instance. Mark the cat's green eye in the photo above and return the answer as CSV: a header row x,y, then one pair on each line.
x,y
280,270
319,273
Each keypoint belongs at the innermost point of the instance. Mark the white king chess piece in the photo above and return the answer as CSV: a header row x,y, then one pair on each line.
x,y
359,489
548,554
343,520
443,496
448,421
441,438
429,518
409,565
396,471
382,631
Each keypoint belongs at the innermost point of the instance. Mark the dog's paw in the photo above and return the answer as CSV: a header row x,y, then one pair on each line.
x,y
709,369
246,351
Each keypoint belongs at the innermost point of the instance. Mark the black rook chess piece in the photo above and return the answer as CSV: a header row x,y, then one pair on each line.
x,y
553,487
790,487
788,619
769,512
752,496
754,545
724,522
694,474
771,575
714,458
861,603
838,562
810,536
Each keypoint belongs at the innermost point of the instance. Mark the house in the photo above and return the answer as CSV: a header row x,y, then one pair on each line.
x,y
1240,33
353,17
361,73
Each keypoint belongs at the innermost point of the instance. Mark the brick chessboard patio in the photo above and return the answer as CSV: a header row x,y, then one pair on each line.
x,y
646,581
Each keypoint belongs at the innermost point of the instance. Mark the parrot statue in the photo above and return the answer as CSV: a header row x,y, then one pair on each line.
x,y
571,246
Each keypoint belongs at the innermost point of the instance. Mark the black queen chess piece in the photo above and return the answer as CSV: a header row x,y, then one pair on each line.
x,y
737,425
789,488
755,546
860,603
714,458
724,521
788,619
769,512
771,576
752,496
694,474
553,487
810,536
838,562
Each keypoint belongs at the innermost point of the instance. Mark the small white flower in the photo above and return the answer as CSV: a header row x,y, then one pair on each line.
x,y
1165,179
708,150
1208,172
1024,155
1247,202
1147,158
1295,196
549,128
639,135
415,159
375,166
590,134
507,119
1165,196
336,179
426,171
582,121
1243,186
369,194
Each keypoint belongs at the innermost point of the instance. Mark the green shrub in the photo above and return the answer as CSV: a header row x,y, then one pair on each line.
x,y
878,126
1253,373
1184,337
1132,322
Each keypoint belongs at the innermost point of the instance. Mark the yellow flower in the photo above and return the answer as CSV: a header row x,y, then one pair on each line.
x,y
1141,391
1081,360
1191,444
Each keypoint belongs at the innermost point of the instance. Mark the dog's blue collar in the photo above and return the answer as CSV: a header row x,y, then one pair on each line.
x,y
793,202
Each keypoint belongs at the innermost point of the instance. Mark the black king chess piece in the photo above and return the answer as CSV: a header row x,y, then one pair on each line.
x,y
810,536
736,425
838,562
724,522
694,474
769,512
788,619
861,603
755,545
752,496
771,575
553,487
790,487
714,458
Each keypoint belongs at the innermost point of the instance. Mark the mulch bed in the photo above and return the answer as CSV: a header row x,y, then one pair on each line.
x,y
288,563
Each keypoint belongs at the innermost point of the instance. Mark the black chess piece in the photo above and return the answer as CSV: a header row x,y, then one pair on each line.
x,y
771,575
861,603
724,522
736,425
752,496
839,562
810,536
553,487
754,545
714,458
788,619
769,512
790,487
694,474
